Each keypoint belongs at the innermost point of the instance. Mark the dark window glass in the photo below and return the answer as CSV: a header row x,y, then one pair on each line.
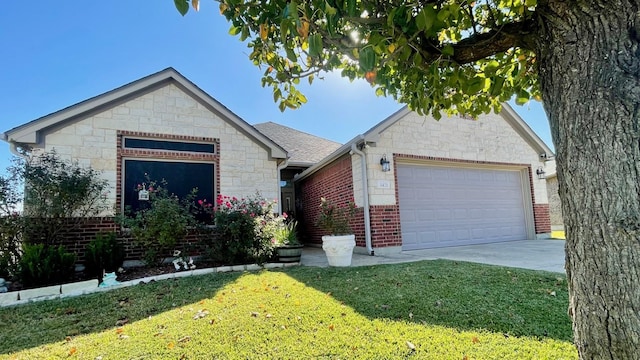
x,y
181,177
168,145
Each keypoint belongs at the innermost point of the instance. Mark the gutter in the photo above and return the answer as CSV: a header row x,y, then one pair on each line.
x,y
13,146
365,194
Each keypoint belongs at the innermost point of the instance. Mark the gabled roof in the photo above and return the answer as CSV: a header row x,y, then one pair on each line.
x,y
373,135
31,132
303,149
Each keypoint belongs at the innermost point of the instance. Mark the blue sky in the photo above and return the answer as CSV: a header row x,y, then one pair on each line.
x,y
58,53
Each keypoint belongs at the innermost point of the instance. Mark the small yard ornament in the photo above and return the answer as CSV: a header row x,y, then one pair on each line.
x,y
109,279
180,264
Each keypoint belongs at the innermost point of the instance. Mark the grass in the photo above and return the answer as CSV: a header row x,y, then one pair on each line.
x,y
427,310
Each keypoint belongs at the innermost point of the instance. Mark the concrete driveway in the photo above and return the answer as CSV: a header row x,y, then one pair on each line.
x,y
545,255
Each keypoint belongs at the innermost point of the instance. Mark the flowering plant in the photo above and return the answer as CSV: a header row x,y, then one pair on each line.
x,y
285,232
247,227
334,219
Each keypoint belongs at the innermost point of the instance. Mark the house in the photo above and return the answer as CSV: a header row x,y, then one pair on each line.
x,y
451,182
161,127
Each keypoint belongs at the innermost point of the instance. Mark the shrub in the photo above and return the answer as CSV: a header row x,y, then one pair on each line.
x,y
285,233
159,227
104,253
245,230
10,226
10,241
334,219
60,196
46,265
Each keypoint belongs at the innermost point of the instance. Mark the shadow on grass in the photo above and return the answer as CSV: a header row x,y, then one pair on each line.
x,y
30,325
464,296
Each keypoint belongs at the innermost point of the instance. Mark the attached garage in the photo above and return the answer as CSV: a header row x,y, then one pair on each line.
x,y
449,205
426,184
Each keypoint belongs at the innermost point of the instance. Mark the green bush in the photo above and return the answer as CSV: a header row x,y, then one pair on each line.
x,y
11,226
46,265
104,253
159,227
245,230
60,196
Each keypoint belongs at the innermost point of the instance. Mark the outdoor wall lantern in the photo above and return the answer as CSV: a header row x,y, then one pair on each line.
x,y
385,163
540,172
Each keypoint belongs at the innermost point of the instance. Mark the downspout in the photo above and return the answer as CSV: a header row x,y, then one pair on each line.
x,y
279,169
365,194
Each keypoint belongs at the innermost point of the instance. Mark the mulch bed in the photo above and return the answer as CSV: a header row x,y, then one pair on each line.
x,y
132,273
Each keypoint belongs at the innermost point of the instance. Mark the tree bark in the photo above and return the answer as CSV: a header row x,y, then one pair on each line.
x,y
589,70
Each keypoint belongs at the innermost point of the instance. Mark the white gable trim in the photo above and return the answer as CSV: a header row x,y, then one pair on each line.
x,y
373,135
31,132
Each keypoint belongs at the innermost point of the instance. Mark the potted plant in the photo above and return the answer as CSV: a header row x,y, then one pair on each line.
x,y
288,246
339,243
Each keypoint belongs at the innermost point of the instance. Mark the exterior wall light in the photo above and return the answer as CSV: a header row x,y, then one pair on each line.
x,y
385,163
540,172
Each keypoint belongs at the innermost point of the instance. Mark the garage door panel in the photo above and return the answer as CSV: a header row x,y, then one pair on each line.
x,y
442,206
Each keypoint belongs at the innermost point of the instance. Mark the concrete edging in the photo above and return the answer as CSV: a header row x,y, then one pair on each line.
x,y
91,286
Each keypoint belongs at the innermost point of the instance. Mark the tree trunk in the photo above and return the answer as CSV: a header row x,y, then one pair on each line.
x,y
589,70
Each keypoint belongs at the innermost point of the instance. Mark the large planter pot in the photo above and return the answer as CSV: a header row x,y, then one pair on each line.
x,y
339,249
289,253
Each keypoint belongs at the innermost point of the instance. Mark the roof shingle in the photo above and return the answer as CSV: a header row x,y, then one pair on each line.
x,y
303,149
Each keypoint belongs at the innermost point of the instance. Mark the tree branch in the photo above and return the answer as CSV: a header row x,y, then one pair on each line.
x,y
481,45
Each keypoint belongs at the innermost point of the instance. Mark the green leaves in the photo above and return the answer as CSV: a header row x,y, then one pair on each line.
x,y
367,59
426,18
315,45
182,6
411,51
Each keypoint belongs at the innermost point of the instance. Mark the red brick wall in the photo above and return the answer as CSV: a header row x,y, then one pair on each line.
x,y
77,241
335,183
76,237
541,213
385,226
542,218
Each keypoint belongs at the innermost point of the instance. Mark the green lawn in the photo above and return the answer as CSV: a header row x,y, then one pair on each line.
x,y
426,310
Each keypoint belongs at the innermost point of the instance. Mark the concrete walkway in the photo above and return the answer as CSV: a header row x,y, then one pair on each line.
x,y
545,255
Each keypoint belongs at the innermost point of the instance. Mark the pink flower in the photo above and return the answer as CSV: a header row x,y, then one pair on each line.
x,y
284,215
200,202
150,188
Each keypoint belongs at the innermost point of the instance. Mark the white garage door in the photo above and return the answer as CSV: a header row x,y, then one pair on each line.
x,y
449,206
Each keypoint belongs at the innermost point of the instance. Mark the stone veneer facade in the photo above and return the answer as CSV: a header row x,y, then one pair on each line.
x,y
242,166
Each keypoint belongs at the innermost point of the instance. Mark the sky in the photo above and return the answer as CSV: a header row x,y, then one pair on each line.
x,y
54,54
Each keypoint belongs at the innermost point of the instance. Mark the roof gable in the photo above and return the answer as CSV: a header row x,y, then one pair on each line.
x,y
31,132
373,136
304,149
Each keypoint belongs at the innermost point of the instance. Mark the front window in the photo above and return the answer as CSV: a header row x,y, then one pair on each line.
x,y
181,162
181,178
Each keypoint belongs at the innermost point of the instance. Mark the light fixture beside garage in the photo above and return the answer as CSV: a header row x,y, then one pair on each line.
x,y
385,163
540,172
